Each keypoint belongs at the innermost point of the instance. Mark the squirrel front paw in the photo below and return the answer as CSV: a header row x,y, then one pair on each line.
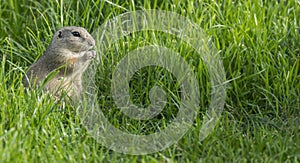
x,y
90,54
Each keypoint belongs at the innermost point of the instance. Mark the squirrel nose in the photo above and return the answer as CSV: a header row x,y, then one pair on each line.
x,y
91,42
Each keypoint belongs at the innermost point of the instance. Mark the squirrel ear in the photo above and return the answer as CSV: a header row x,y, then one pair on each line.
x,y
59,34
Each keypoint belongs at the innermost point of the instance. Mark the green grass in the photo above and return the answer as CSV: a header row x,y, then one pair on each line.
x,y
258,44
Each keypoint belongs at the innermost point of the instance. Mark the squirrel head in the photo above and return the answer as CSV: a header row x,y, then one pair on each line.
x,y
75,39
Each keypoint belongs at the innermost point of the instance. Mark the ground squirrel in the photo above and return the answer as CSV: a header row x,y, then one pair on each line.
x,y
69,54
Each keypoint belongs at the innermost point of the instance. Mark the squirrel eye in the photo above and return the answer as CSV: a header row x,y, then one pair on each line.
x,y
59,34
76,34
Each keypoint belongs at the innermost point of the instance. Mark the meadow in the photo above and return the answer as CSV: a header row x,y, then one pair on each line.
x,y
258,44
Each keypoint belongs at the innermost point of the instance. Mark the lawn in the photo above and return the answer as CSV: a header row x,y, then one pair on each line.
x,y
257,43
